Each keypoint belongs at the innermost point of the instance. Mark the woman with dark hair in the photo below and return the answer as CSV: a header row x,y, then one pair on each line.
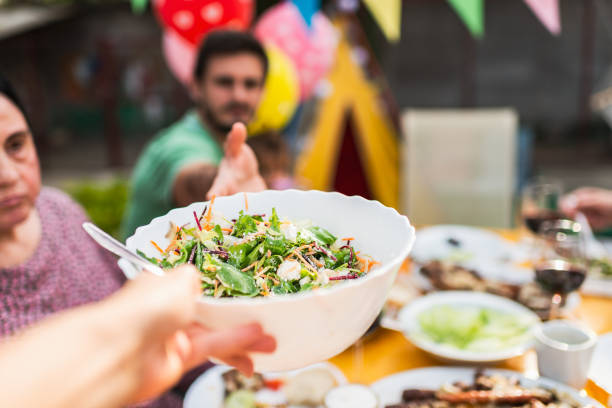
x,y
48,263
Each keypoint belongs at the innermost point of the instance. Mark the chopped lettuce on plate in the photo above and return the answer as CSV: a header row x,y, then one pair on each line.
x,y
473,328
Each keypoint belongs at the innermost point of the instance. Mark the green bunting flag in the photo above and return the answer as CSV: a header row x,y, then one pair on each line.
x,y
472,14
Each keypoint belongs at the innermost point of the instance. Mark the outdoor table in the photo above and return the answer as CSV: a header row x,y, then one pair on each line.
x,y
386,352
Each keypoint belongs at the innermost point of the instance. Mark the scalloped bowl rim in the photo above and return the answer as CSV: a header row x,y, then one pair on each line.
x,y
380,270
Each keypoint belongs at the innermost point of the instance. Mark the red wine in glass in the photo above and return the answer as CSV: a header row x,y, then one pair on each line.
x,y
535,220
560,278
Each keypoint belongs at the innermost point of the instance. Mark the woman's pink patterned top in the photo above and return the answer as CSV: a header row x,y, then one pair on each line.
x,y
67,269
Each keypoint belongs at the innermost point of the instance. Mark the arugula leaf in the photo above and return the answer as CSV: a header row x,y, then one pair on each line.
x,y
244,225
322,235
283,288
274,261
219,233
274,221
150,259
237,280
254,255
343,256
307,286
238,253
277,245
199,257
185,252
164,264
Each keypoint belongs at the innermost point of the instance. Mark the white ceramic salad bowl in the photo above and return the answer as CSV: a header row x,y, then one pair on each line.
x,y
309,326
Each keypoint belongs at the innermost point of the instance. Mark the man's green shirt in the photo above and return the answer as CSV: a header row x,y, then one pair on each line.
x,y
183,143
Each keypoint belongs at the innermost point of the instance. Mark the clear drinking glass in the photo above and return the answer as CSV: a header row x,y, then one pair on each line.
x,y
560,264
540,203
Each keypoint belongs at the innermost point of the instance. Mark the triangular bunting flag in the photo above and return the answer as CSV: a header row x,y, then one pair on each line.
x,y
547,11
388,15
471,12
350,121
139,6
307,8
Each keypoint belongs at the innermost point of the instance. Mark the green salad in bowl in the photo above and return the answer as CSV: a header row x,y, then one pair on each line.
x,y
254,255
286,259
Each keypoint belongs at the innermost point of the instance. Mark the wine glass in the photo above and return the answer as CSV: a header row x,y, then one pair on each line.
x,y
561,265
539,203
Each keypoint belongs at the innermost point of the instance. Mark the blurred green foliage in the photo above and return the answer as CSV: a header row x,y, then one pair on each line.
x,y
104,202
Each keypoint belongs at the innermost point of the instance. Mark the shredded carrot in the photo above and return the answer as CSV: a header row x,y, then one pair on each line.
x,y
367,262
210,207
276,282
347,239
157,247
211,268
364,263
250,266
265,288
227,230
318,263
304,246
173,239
308,266
246,202
216,287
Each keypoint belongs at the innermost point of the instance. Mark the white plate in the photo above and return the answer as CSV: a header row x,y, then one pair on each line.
x,y
389,389
408,320
597,286
208,389
475,245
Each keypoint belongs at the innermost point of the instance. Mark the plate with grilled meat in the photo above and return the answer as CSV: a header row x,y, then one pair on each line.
x,y
510,282
452,387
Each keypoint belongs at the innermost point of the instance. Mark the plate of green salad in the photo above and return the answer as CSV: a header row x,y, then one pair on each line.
x,y
313,268
468,327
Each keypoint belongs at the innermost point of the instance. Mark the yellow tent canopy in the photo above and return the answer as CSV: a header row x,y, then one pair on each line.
x,y
352,109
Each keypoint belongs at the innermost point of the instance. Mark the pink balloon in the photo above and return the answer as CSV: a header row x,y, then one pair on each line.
x,y
180,56
312,50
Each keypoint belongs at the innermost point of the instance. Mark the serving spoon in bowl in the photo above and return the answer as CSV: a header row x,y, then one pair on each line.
x,y
111,244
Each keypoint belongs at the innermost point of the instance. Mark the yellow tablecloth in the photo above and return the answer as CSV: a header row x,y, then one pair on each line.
x,y
387,352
